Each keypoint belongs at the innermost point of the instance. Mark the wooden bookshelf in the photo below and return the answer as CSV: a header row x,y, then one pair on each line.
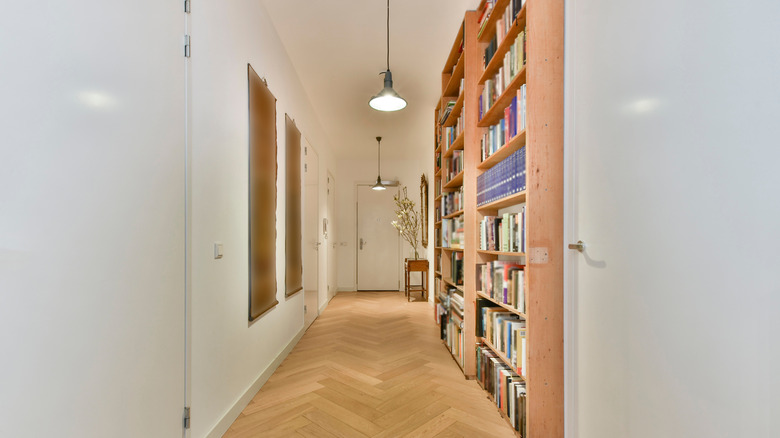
x,y
542,138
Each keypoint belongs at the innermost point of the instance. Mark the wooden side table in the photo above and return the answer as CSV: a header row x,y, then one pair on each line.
x,y
416,265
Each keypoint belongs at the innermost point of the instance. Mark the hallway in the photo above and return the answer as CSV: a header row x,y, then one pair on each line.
x,y
371,365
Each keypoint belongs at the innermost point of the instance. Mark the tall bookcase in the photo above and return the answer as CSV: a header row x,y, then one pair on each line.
x,y
534,146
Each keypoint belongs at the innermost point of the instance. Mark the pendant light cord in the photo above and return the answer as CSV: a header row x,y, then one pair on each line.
x,y
388,35
378,152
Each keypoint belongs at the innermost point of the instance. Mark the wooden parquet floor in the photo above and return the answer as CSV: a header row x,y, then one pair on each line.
x,y
371,365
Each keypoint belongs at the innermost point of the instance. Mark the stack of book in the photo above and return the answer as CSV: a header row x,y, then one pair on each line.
x,y
505,233
504,179
452,202
453,165
457,268
504,282
484,15
455,339
506,331
507,128
452,232
506,387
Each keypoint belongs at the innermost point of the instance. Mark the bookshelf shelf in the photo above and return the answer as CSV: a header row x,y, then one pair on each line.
x,y
455,113
438,173
498,58
508,201
452,283
438,198
504,151
438,224
501,356
490,26
455,182
449,249
437,273
541,114
456,145
501,253
455,214
505,306
496,112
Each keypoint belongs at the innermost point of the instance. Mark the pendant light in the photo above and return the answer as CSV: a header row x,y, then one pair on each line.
x,y
378,185
387,99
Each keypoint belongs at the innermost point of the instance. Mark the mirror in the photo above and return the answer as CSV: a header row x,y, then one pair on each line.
x,y
424,209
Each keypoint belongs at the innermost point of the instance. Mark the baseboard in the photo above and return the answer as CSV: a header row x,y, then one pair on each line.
x,y
224,424
346,289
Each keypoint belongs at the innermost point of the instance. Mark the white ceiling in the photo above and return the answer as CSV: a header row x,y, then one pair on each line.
x,y
338,48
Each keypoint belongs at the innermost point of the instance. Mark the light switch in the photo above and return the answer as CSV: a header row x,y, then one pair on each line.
x,y
217,250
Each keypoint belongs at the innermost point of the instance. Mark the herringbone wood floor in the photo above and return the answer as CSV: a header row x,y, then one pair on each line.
x,y
371,365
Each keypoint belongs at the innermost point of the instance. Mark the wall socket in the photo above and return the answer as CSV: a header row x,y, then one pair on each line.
x,y
217,250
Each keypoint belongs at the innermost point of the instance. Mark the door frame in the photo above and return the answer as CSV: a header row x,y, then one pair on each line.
x,y
395,184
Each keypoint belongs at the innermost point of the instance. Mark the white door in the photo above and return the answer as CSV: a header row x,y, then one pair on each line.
x,y
92,219
311,236
331,229
673,186
378,242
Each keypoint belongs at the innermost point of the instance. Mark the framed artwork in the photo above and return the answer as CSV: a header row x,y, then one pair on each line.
x,y
293,281
424,210
262,196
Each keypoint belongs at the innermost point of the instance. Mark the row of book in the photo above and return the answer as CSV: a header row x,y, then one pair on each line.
x,y
504,179
455,339
484,15
513,62
452,165
508,19
507,128
452,232
456,267
505,233
451,133
504,282
451,202
445,111
505,330
506,387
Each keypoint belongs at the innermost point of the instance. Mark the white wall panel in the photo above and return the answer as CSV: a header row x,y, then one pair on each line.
x,y
229,356
91,219
672,145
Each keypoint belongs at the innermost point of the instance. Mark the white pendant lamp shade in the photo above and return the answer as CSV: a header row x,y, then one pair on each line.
x,y
378,185
387,99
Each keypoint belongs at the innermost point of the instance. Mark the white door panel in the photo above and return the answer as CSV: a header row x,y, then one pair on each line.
x,y
378,242
92,194
312,244
672,145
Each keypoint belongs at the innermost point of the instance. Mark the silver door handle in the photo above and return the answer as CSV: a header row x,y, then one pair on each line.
x,y
579,246
361,243
317,245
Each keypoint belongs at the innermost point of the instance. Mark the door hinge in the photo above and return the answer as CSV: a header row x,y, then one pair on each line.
x,y
186,46
305,167
306,150
187,6
186,417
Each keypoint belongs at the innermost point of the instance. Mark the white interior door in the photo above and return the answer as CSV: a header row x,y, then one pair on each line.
x,y
92,222
331,229
311,234
673,187
378,243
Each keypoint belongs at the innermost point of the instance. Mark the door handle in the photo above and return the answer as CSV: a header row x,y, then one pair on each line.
x,y
317,245
579,246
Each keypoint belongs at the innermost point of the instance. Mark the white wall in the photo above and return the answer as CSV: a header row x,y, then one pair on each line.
x,y
228,354
92,256
673,155
351,172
